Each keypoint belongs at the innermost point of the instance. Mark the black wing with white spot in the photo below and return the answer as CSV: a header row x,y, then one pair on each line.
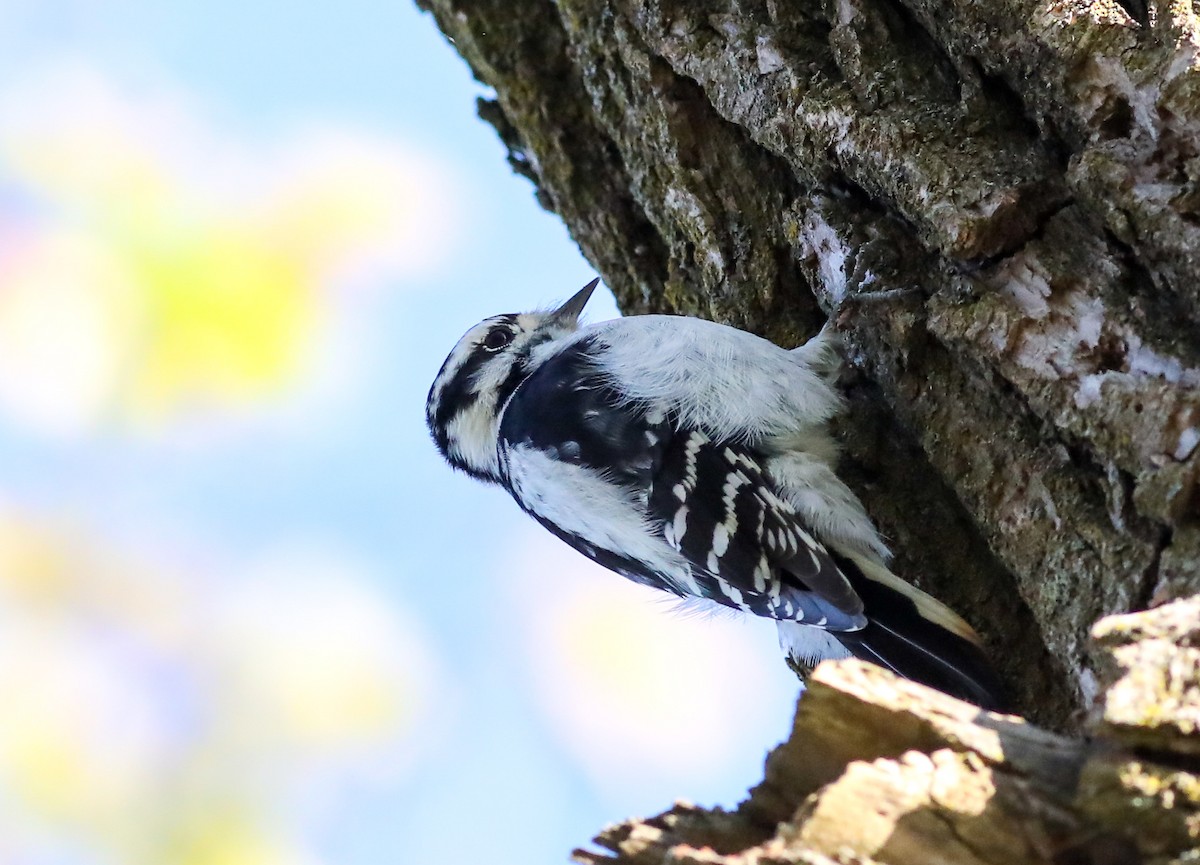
x,y
741,544
567,412
721,511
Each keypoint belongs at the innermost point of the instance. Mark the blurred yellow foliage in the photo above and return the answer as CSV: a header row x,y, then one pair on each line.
x,y
153,266
227,315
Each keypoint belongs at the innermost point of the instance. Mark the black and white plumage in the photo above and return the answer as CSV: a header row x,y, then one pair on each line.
x,y
693,457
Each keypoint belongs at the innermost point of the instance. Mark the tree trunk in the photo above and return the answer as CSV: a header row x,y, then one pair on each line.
x,y
999,200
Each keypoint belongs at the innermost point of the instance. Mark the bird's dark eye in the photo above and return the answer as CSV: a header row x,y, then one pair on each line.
x,y
497,339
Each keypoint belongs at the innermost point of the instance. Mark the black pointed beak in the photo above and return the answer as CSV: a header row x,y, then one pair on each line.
x,y
570,311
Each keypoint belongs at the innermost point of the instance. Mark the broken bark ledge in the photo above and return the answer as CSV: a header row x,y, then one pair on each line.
x,y
882,770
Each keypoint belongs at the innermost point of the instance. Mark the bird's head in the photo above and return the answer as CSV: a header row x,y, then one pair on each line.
x,y
480,374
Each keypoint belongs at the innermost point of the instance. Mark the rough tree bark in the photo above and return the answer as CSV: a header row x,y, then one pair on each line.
x,y
1015,183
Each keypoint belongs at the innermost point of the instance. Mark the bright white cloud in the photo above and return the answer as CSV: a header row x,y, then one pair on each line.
x,y
641,695
315,657
66,316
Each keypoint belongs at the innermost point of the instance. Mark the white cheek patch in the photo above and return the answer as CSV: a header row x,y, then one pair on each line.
x,y
472,435
492,374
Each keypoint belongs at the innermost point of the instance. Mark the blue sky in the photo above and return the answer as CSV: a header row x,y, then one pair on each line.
x,y
543,698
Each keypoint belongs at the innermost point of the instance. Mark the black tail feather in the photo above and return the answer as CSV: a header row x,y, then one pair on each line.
x,y
899,638
942,660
